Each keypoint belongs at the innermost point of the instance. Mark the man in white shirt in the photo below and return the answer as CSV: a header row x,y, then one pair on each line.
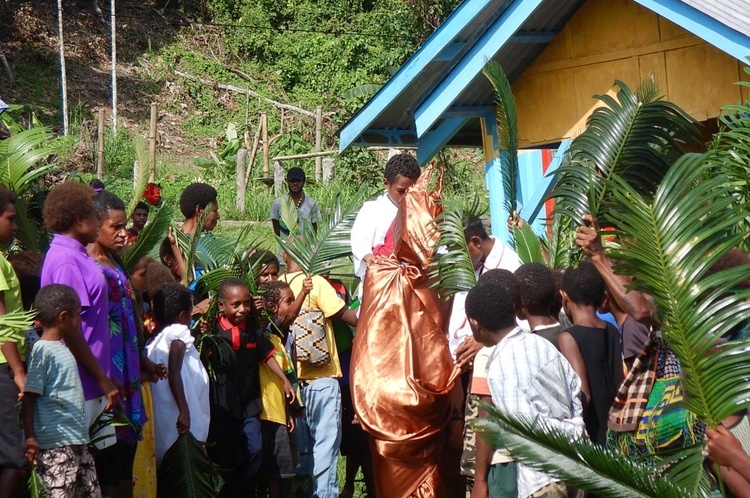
x,y
487,253
527,376
372,233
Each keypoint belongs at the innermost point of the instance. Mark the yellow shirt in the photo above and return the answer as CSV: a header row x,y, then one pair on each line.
x,y
322,298
10,288
272,388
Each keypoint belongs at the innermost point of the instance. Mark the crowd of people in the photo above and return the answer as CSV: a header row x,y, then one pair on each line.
x,y
271,394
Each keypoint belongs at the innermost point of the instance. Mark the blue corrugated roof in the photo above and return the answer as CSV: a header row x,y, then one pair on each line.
x,y
441,82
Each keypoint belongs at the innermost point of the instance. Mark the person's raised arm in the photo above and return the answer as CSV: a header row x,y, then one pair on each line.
x,y
294,309
176,357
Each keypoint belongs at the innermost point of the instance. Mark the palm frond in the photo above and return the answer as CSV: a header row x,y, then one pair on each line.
x,y
668,247
239,264
31,233
35,485
151,236
187,472
14,322
452,270
321,251
188,243
107,418
507,131
20,158
680,469
361,91
578,462
636,137
528,245
561,244
140,173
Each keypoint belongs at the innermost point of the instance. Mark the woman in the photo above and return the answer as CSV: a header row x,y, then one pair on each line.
x,y
116,479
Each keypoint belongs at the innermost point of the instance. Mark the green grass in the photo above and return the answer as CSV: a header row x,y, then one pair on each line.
x,y
359,482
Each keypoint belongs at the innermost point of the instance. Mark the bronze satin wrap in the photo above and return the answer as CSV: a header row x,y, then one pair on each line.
x,y
402,373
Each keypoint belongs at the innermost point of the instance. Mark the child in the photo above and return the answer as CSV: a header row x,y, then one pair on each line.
x,y
591,345
278,462
538,292
53,404
235,390
526,375
183,400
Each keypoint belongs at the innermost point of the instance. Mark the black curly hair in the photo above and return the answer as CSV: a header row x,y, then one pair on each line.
x,y
196,195
491,306
170,300
475,228
141,205
53,299
105,201
229,283
404,165
6,197
584,285
271,291
508,280
537,287
67,203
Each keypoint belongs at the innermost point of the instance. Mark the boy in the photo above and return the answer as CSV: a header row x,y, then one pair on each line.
x,y
140,218
53,403
372,232
235,390
12,357
296,203
193,201
527,376
538,292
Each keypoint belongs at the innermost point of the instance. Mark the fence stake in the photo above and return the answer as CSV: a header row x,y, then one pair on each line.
x,y
240,179
100,146
264,132
318,141
152,144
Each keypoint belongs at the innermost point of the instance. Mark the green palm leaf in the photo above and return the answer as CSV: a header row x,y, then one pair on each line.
x,y
20,155
452,270
528,245
635,137
239,264
561,244
140,173
187,472
36,486
321,251
669,245
31,233
151,236
507,131
11,324
579,462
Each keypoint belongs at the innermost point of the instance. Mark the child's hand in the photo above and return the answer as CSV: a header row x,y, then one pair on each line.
x,y
20,380
183,422
259,303
203,326
723,447
289,391
307,286
32,450
201,307
110,392
290,424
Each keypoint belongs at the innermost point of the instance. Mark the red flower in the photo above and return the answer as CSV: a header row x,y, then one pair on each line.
x,y
152,194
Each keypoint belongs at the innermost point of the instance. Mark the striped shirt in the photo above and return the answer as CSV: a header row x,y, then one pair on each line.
x,y
59,418
528,376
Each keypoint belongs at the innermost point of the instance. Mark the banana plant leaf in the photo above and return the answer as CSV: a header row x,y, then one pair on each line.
x,y
668,246
507,131
528,245
322,251
151,236
636,137
578,462
187,472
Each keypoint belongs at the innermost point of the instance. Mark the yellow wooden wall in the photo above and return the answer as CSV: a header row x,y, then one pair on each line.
x,y
619,39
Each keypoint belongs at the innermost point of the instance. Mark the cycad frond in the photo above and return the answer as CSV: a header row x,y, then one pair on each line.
x,y
579,462
507,131
668,247
634,136
187,472
317,252
561,244
140,173
151,236
452,270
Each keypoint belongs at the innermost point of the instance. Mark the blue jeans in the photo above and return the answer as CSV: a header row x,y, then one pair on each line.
x,y
322,400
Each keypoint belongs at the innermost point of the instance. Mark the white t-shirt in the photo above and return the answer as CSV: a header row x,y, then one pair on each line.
x,y
369,229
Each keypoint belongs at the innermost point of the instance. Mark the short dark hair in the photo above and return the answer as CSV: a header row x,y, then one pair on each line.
x,y
156,275
271,291
404,165
6,197
490,304
262,258
196,195
584,285
28,267
475,228
508,280
165,249
229,283
556,304
105,201
67,203
97,185
53,299
141,205
170,300
537,287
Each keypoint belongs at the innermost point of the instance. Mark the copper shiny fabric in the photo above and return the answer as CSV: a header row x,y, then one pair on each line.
x,y
402,374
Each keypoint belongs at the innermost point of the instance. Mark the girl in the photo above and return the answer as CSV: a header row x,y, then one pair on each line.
x,y
183,401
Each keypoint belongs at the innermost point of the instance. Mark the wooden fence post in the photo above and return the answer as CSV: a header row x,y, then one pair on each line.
x,y
318,141
240,179
279,173
328,164
264,136
152,144
100,146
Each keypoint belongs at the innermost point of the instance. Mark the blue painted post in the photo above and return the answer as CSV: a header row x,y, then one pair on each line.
x,y
494,178
530,176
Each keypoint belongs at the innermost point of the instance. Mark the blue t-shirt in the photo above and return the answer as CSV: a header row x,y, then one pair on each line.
x,y
59,415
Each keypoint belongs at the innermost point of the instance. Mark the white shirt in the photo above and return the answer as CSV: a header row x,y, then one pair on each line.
x,y
500,257
369,229
528,376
